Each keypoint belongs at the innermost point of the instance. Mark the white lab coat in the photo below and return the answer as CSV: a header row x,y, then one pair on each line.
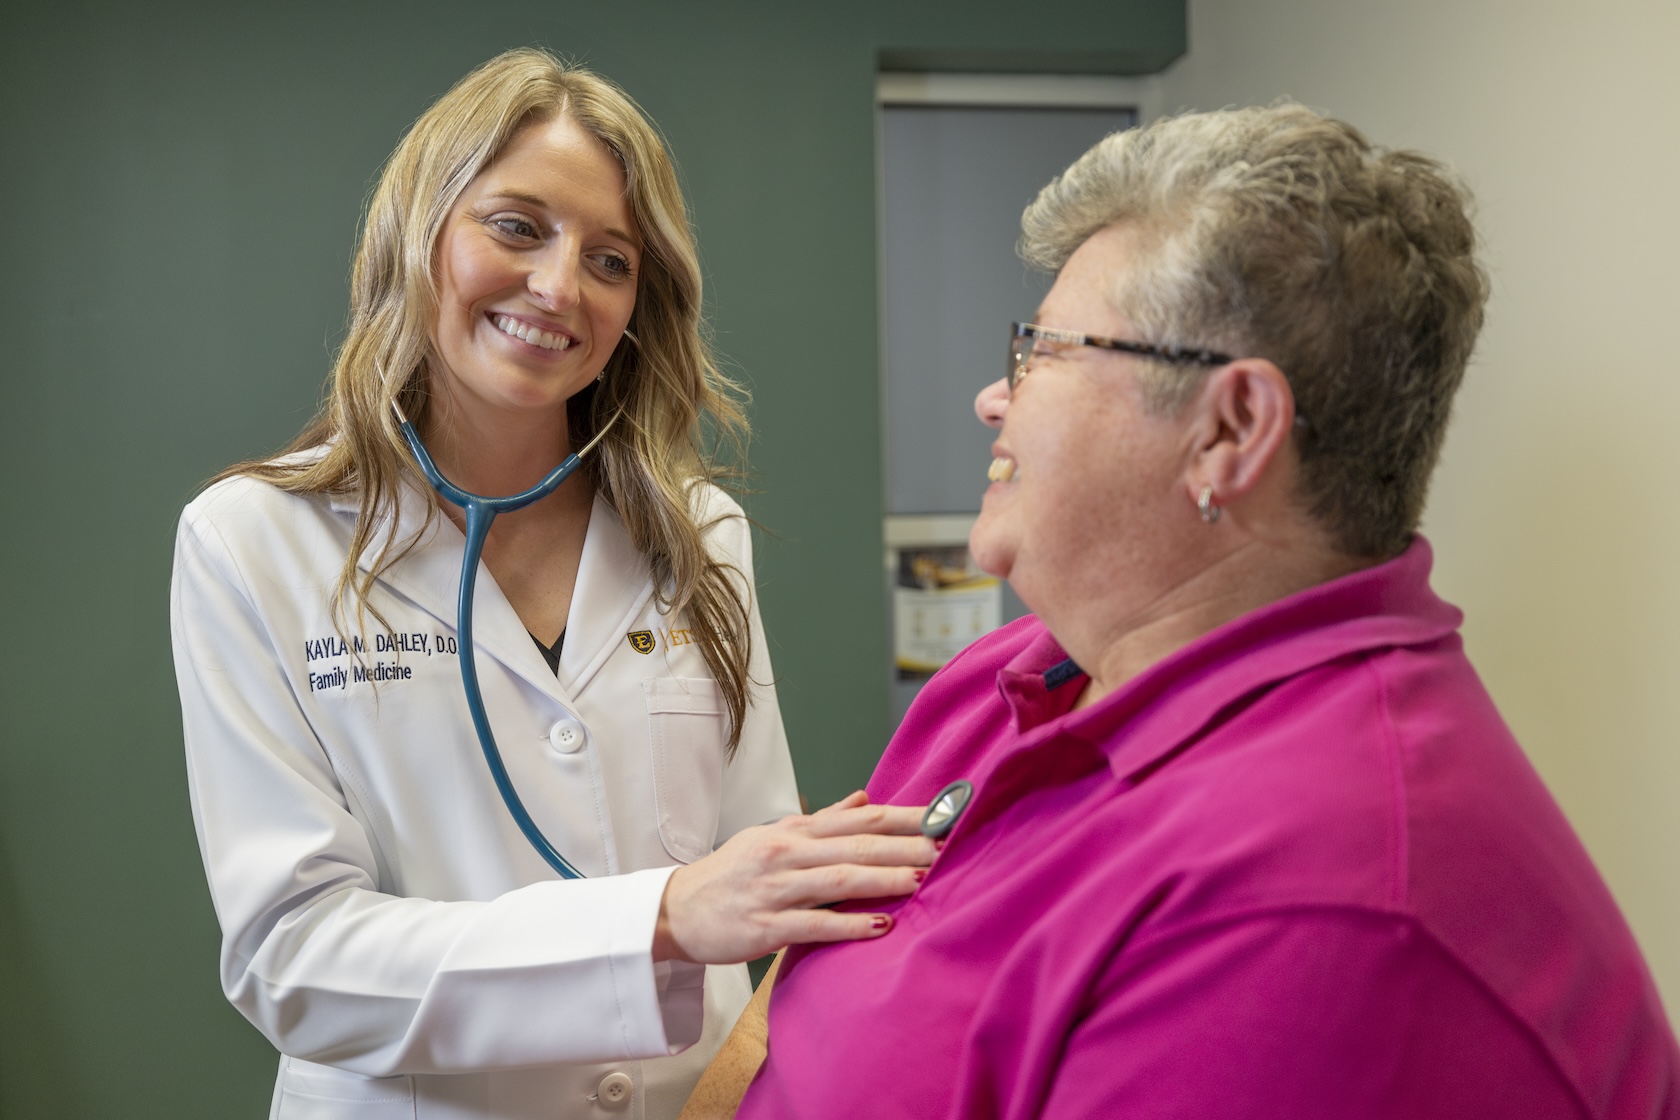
x,y
384,922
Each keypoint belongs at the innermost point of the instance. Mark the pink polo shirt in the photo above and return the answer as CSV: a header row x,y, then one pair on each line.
x,y
1298,869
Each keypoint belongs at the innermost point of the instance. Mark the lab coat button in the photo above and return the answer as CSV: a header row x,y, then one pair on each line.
x,y
566,736
614,1091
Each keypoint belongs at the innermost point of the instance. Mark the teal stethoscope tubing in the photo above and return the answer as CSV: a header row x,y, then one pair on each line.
x,y
480,512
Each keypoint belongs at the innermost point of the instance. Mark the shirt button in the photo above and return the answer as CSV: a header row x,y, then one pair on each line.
x,y
614,1091
566,736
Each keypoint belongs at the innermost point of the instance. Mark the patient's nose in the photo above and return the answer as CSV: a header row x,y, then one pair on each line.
x,y
992,403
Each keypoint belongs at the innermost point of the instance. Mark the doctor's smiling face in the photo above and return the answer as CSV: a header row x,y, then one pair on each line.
x,y
536,270
1091,499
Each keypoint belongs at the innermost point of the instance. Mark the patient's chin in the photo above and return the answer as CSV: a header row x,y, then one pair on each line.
x,y
990,548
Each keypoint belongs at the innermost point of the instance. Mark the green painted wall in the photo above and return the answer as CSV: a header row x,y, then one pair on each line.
x,y
179,191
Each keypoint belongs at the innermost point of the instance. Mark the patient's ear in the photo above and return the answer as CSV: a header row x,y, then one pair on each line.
x,y
1242,419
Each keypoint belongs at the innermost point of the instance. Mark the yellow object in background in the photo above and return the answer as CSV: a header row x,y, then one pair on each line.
x,y
930,626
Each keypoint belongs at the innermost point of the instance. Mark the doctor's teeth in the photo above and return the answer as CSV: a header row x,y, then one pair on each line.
x,y
1001,470
527,333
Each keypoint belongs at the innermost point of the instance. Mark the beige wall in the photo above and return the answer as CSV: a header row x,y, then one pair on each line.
x,y
1554,512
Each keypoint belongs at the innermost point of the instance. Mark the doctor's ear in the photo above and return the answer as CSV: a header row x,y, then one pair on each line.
x,y
1242,418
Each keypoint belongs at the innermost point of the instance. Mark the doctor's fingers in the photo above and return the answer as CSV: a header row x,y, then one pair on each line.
x,y
819,887
857,850
851,801
799,927
776,852
884,820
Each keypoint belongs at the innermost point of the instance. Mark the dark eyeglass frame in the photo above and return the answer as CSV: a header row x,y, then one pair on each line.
x,y
1024,336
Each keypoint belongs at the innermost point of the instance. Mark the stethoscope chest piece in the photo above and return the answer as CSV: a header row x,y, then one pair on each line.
x,y
943,810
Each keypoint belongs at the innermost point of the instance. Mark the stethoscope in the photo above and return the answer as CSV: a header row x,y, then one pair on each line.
x,y
941,814
480,512
947,805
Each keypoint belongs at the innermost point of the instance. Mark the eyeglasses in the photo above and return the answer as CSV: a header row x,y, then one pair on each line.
x,y
1025,340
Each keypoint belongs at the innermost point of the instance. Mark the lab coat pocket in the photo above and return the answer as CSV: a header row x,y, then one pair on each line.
x,y
686,729
315,1092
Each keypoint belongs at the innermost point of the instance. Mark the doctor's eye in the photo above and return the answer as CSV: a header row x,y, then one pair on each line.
x,y
615,265
514,227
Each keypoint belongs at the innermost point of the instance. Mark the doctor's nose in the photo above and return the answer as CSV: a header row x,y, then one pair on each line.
x,y
992,403
553,281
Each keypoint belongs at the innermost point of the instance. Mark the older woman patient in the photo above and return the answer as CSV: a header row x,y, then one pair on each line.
x,y
1247,837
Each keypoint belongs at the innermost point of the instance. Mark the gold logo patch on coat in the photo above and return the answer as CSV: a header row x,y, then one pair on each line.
x,y
641,640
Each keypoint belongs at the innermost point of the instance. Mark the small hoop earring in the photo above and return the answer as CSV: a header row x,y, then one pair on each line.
x,y
1204,506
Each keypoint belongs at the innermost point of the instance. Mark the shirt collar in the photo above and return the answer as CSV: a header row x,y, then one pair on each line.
x,y
1387,605
1032,683
612,589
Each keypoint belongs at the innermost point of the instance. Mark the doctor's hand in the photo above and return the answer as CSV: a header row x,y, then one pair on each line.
x,y
767,886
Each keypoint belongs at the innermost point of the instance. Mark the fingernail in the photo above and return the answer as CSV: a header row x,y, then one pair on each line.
x,y
939,845
920,873
880,921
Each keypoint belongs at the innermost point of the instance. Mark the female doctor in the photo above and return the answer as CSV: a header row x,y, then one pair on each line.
x,y
526,273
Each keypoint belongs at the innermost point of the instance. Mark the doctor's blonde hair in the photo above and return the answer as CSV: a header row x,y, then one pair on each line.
x,y
653,462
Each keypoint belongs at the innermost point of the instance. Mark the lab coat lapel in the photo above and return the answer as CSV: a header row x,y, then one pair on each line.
x,y
430,576
612,590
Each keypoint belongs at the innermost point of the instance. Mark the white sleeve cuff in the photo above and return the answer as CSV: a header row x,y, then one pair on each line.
x,y
569,966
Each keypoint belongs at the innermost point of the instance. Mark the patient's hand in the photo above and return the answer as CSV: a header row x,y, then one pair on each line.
x,y
767,886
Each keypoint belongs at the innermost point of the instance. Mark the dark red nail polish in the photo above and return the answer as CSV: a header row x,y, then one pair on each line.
x,y
920,873
880,921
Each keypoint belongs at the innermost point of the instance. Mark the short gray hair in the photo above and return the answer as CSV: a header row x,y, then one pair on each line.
x,y
1281,233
